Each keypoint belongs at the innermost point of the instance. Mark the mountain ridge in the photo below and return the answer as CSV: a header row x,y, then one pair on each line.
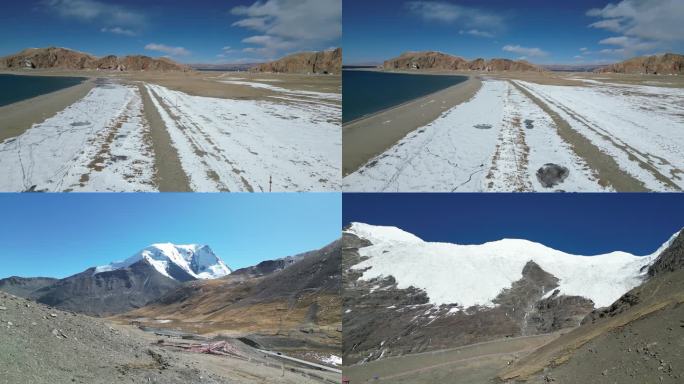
x,y
317,62
434,60
664,64
69,59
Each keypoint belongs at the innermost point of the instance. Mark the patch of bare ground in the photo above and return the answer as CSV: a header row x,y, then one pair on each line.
x,y
471,364
169,174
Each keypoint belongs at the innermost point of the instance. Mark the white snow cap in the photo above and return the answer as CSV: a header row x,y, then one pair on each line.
x,y
199,261
378,234
471,275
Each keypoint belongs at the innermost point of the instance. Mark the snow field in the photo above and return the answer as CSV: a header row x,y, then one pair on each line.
x,y
494,142
245,145
471,275
635,125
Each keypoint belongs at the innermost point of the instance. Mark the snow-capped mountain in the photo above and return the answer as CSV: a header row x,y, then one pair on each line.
x,y
404,295
175,261
470,275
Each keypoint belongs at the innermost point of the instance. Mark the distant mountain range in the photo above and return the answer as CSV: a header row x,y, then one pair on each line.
x,y
121,286
322,62
403,295
431,60
665,64
67,59
160,272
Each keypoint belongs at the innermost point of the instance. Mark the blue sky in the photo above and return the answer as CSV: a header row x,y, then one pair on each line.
x,y
206,31
62,234
540,31
584,224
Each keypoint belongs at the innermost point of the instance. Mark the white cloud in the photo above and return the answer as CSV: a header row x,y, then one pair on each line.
x,y
290,24
659,20
118,31
627,45
643,25
451,13
535,52
583,49
171,51
476,32
94,11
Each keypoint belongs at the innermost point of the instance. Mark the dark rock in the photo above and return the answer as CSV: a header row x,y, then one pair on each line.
x,y
551,175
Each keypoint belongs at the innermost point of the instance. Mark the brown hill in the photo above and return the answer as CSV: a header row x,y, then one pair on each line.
x,y
666,64
298,304
67,59
323,62
430,60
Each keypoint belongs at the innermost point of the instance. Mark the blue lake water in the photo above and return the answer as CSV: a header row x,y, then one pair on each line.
x,y
16,88
368,92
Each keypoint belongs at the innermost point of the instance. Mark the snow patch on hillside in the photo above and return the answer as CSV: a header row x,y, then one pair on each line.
x,y
471,275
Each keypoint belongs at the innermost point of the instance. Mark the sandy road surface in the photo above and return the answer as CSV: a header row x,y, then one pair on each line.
x,y
473,364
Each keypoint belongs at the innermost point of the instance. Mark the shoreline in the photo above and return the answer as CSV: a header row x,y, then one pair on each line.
x,y
344,124
17,118
371,135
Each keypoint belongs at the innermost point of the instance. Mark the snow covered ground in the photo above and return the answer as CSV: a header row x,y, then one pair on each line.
x,y
99,143
500,139
247,145
475,274
497,141
312,94
641,127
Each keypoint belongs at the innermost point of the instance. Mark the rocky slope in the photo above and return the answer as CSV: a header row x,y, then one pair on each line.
x,y
67,59
388,314
437,61
295,306
42,344
665,64
637,339
322,62
107,293
23,286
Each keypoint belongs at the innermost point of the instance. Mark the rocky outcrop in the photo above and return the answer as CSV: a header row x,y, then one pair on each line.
x,y
425,61
559,312
67,59
438,61
322,62
671,259
665,64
